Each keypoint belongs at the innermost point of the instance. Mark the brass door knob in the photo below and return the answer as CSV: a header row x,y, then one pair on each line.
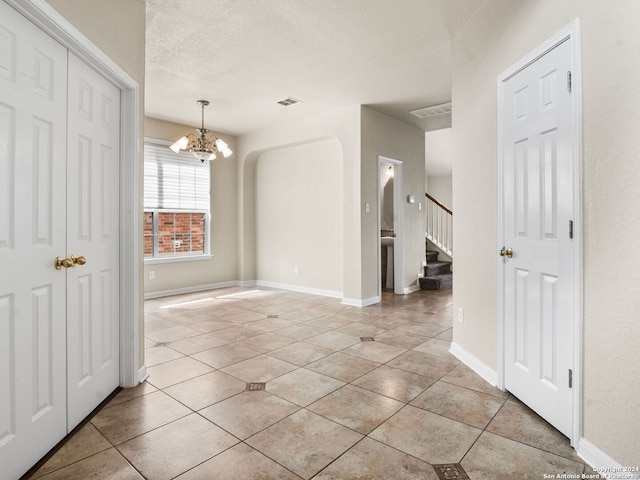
x,y
78,260
506,252
63,262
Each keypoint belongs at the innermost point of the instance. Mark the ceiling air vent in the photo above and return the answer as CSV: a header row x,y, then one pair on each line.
x,y
288,101
432,111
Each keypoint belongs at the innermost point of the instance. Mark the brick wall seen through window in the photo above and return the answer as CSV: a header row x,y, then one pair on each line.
x,y
177,233
148,234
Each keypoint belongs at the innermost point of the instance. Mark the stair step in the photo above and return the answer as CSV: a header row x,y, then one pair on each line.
x,y
432,257
437,268
437,275
437,282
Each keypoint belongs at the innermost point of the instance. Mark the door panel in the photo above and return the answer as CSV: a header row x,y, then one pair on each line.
x,y
538,204
32,234
92,216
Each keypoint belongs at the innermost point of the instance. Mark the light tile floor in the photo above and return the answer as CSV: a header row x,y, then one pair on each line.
x,y
334,406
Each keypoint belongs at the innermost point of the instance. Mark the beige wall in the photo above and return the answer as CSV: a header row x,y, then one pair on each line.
x,y
342,126
358,278
362,134
386,136
500,33
224,217
299,216
117,27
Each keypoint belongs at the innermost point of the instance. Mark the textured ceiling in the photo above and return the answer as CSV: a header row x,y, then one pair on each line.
x,y
245,55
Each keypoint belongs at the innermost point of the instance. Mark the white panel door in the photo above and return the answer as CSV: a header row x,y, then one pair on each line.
x,y
33,99
538,206
93,220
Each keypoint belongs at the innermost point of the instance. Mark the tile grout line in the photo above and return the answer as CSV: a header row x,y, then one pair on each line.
x,y
338,457
346,383
331,311
484,430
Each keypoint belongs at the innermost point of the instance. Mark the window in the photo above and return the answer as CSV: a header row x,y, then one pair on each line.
x,y
176,204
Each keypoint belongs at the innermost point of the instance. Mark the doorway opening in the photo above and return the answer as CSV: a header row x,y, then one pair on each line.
x,y
390,226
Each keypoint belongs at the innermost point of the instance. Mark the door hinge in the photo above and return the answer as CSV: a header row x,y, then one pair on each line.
x,y
570,229
570,378
569,82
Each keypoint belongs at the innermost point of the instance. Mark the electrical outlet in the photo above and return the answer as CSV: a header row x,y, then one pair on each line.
x,y
296,270
152,275
460,315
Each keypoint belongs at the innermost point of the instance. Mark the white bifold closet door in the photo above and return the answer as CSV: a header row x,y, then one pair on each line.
x,y
59,159
93,157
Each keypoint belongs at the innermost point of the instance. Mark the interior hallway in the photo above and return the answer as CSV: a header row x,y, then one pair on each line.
x,y
252,383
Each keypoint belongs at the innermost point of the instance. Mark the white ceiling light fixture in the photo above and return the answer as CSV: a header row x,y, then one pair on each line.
x,y
202,146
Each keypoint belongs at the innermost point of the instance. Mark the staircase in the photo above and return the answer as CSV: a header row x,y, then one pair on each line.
x,y
437,275
439,231
439,223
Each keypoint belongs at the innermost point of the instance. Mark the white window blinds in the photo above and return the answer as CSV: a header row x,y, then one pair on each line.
x,y
174,181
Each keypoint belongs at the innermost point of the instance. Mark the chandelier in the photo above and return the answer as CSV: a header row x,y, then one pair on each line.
x,y
202,146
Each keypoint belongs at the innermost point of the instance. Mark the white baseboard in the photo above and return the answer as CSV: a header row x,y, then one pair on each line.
x,y
487,373
354,302
299,288
592,455
283,286
142,374
601,462
411,289
196,288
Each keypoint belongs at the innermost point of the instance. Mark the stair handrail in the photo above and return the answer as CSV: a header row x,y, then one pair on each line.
x,y
439,224
438,203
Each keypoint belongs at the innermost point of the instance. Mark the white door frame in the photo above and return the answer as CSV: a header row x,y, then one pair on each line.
x,y
51,22
570,32
398,213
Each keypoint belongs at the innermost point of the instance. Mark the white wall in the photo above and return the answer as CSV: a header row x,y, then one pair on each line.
x,y
499,34
438,152
438,171
440,188
438,165
224,220
299,212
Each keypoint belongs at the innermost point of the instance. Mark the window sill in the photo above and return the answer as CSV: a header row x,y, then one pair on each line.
x,y
186,258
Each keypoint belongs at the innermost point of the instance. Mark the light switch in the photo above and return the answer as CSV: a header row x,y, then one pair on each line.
x,y
366,207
